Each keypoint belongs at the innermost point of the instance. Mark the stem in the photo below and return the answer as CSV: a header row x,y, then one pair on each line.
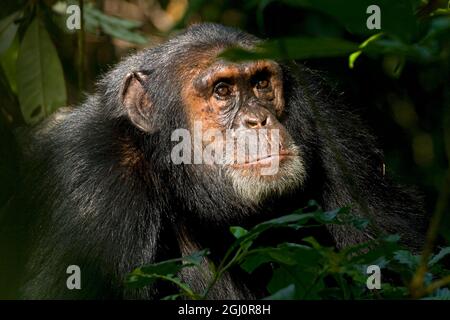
x,y
183,287
417,283
437,284
188,292
222,268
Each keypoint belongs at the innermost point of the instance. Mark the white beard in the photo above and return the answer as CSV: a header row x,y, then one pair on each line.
x,y
255,188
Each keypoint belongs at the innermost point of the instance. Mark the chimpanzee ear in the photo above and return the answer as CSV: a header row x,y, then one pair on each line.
x,y
136,100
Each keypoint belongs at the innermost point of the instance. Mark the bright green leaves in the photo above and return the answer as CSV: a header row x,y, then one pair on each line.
x,y
40,78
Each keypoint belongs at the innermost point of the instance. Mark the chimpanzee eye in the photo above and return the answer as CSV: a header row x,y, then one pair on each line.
x,y
222,89
262,84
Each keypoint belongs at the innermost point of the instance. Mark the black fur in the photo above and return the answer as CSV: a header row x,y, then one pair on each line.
x,y
88,207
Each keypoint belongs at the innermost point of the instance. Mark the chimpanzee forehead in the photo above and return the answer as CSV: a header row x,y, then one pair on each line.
x,y
222,69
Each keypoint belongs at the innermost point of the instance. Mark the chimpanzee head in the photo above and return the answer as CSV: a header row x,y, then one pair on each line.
x,y
233,113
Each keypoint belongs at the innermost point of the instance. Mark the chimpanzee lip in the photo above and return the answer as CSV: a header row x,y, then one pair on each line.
x,y
265,159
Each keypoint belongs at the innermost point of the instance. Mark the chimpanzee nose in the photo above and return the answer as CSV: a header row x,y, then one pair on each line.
x,y
256,120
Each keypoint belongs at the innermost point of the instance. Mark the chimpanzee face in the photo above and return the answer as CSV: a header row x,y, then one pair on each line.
x,y
233,112
237,107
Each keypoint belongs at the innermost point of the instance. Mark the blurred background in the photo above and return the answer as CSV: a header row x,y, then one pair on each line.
x,y
396,78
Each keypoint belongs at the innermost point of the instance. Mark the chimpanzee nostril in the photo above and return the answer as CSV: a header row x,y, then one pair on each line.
x,y
264,122
252,124
256,121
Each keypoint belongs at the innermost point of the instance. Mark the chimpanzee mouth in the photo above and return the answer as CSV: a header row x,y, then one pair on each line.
x,y
264,160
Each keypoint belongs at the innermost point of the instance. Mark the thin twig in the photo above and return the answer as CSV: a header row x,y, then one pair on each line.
x,y
436,285
417,288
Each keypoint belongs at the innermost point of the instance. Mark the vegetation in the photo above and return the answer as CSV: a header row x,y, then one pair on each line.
x,y
308,270
400,74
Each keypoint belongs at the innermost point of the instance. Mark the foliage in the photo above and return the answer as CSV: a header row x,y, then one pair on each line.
x,y
308,270
25,43
40,79
113,26
38,70
414,38
420,37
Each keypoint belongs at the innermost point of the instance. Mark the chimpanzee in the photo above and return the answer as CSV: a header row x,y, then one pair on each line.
x,y
103,192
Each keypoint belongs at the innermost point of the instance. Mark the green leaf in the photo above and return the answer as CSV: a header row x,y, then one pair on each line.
x,y
439,294
238,232
294,49
91,23
398,48
327,216
148,274
439,26
172,297
40,78
113,26
253,261
122,33
196,258
285,253
360,223
407,258
8,30
436,258
136,280
352,14
293,253
352,58
383,248
8,62
313,242
165,268
392,238
287,220
287,293
115,21
307,284
294,221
